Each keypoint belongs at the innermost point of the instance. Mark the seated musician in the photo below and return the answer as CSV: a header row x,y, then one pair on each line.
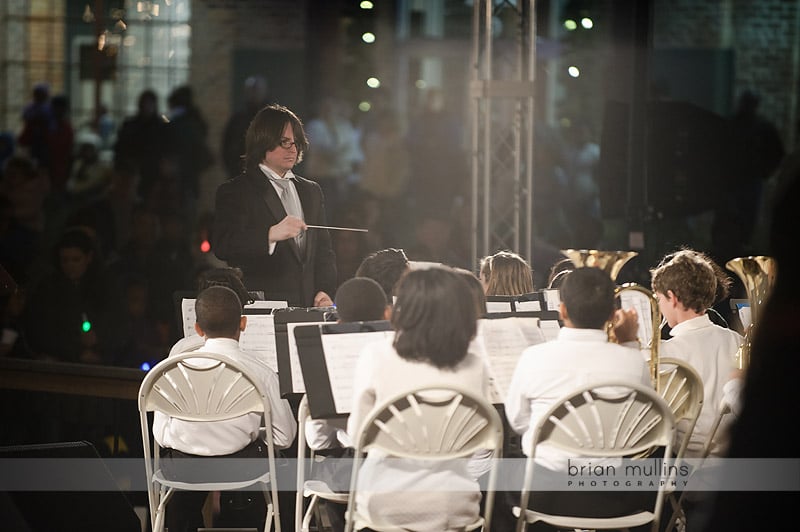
x,y
220,322
385,267
547,372
435,320
228,277
358,299
506,274
686,284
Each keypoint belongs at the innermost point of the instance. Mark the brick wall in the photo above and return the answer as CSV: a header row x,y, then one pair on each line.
x,y
764,35
218,28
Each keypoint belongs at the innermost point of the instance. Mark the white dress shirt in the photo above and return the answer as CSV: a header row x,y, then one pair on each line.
x,y
549,371
271,177
219,438
413,495
711,351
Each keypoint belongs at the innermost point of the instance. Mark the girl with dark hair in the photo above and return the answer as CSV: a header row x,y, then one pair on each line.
x,y
435,320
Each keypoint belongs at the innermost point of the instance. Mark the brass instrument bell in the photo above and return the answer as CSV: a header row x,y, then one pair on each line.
x,y
757,273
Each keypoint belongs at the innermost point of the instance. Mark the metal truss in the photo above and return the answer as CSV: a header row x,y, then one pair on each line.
x,y
502,113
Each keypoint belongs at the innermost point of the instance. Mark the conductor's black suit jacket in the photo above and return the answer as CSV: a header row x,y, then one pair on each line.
x,y
246,207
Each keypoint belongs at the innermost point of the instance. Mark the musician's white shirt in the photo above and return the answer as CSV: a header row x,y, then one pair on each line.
x,y
547,372
711,351
225,437
413,495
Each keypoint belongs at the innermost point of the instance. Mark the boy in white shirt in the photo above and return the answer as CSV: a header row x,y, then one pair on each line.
x,y
687,283
579,356
220,321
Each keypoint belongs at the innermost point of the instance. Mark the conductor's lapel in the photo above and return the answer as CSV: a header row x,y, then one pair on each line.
x,y
273,202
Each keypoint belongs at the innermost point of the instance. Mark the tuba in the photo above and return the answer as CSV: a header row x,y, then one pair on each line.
x,y
612,262
758,275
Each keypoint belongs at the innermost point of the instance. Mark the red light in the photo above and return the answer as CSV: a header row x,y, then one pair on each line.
x,y
205,246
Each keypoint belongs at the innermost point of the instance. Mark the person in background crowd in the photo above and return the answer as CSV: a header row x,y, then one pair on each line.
x,y
255,93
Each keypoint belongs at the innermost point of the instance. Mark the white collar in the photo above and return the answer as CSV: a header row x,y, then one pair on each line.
x,y
690,325
219,342
582,335
269,172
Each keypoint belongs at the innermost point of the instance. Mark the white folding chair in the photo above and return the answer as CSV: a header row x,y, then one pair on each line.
x,y
682,388
678,514
315,489
200,387
603,420
433,423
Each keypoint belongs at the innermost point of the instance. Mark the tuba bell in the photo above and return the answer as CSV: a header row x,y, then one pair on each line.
x,y
612,262
758,276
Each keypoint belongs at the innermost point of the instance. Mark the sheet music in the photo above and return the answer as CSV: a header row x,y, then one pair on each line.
x,y
553,298
639,301
189,318
504,340
266,304
298,386
549,329
525,306
745,315
341,353
259,337
498,306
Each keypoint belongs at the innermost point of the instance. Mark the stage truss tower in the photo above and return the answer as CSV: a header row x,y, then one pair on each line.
x,y
502,83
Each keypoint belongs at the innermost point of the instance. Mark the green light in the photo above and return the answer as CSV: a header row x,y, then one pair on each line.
x,y
86,326
570,24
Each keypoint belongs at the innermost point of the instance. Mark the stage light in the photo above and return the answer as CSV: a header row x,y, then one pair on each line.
x,y
570,24
366,4
368,37
373,83
587,23
364,106
145,366
573,71
205,246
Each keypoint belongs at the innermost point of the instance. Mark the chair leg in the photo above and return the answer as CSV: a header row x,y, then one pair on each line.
x,y
161,509
307,517
677,512
270,515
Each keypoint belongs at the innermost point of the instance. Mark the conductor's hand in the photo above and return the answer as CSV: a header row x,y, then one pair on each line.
x,y
625,325
322,300
289,227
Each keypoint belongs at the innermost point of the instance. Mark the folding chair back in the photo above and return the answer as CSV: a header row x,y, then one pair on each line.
x,y
682,389
602,420
200,387
431,423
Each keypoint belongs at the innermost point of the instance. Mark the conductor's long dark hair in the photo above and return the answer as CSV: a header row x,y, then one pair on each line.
x,y
265,132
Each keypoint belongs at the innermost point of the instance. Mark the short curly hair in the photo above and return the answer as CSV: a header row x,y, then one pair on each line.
x,y
695,279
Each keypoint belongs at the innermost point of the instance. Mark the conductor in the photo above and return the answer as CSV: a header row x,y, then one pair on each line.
x,y
260,217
